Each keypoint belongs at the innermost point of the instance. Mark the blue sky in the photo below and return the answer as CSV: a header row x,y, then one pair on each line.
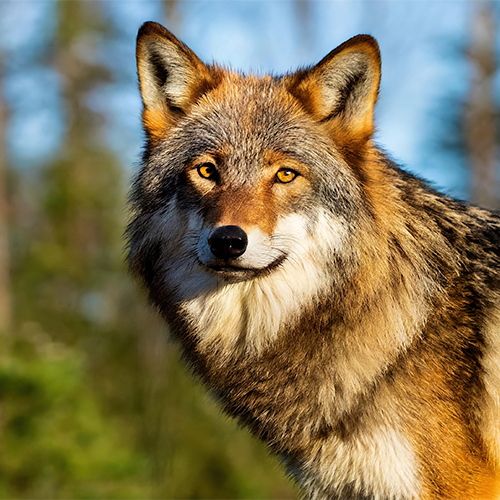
x,y
420,43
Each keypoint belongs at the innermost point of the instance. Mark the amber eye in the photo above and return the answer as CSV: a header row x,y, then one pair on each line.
x,y
286,175
207,171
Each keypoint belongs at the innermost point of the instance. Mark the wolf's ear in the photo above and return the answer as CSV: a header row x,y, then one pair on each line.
x,y
342,88
171,77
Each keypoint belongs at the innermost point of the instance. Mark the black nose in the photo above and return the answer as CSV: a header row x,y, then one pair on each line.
x,y
228,242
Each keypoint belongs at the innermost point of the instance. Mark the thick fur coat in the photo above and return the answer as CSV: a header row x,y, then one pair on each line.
x,y
343,310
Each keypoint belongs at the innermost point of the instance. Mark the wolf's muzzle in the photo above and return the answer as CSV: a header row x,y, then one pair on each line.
x,y
228,242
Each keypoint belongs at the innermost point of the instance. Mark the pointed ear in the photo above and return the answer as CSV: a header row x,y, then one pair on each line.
x,y
342,89
171,77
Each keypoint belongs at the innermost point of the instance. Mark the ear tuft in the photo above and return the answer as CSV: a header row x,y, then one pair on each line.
x,y
342,88
171,76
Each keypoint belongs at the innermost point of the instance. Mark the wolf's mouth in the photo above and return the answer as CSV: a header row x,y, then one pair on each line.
x,y
248,272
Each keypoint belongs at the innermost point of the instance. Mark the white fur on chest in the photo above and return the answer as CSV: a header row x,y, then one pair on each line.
x,y
379,464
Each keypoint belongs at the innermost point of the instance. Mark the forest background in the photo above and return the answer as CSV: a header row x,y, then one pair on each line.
x,y
94,401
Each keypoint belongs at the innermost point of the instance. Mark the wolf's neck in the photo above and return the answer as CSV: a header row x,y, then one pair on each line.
x,y
302,337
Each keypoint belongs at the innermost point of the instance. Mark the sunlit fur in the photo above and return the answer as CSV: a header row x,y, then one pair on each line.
x,y
358,334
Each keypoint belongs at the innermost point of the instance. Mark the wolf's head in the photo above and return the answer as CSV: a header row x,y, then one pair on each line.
x,y
248,179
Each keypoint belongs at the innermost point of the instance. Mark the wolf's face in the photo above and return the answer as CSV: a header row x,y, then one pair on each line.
x,y
249,179
247,183
246,195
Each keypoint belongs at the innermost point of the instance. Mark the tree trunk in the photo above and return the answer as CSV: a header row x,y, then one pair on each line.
x,y
173,17
5,296
480,111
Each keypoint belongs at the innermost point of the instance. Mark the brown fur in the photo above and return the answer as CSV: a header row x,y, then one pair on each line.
x,y
366,353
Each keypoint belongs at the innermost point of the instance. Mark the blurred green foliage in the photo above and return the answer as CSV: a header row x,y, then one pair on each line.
x,y
65,435
56,443
94,400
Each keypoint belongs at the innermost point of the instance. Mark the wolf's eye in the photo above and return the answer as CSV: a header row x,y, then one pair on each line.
x,y
207,171
286,175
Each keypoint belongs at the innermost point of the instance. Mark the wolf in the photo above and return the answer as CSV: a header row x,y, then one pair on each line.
x,y
339,307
